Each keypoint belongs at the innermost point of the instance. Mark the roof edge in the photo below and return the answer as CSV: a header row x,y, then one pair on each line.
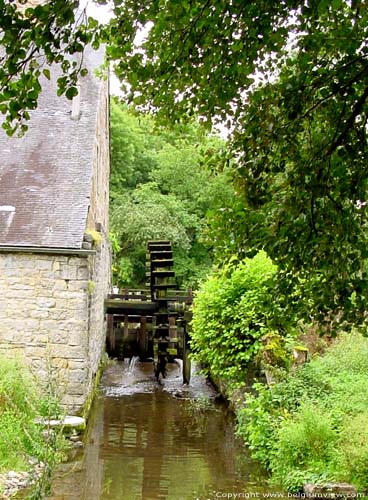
x,y
47,250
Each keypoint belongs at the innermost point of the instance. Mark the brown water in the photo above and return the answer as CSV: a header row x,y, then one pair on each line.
x,y
148,441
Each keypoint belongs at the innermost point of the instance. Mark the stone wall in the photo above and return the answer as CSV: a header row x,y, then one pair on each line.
x,y
52,304
98,212
98,219
99,287
52,314
44,316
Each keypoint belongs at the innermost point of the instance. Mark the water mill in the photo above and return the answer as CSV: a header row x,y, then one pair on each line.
x,y
153,322
183,249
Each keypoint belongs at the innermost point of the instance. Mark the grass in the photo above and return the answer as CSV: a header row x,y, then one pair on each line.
x,y
313,425
22,401
19,436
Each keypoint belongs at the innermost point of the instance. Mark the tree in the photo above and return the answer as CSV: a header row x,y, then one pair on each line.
x,y
303,180
132,145
161,188
33,38
299,140
299,136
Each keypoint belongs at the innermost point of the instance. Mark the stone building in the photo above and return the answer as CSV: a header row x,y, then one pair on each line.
x,y
54,251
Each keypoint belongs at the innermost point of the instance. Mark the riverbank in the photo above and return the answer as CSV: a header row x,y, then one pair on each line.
x,y
311,424
13,482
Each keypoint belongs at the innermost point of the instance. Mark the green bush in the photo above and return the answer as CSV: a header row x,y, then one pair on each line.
x,y
230,316
312,426
305,444
13,448
256,424
17,387
22,401
352,456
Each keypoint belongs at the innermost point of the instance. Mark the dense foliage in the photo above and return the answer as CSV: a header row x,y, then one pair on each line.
x,y
289,78
290,81
162,188
230,317
312,425
299,135
23,441
34,37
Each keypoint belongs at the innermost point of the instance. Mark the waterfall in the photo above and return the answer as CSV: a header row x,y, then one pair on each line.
x,y
132,364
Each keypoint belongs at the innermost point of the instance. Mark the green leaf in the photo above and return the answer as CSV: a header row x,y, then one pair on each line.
x,y
71,92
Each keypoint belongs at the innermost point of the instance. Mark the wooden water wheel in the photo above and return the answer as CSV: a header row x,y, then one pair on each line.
x,y
153,322
170,336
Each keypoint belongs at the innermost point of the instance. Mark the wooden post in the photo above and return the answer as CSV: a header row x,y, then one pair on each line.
x,y
126,328
186,359
111,332
172,327
142,338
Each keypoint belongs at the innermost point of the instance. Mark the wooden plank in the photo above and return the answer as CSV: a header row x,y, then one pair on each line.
x,y
130,296
186,359
172,328
163,274
157,242
130,307
180,298
111,331
164,254
143,338
162,263
126,328
164,286
160,247
132,318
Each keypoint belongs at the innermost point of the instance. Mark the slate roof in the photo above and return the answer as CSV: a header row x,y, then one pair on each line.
x,y
46,176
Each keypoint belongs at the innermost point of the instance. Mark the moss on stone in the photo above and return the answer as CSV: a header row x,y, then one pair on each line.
x,y
96,236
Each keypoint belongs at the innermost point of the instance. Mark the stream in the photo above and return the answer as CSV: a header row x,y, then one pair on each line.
x,y
158,441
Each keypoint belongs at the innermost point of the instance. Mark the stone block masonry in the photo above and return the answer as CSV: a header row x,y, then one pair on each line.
x,y
53,276
49,316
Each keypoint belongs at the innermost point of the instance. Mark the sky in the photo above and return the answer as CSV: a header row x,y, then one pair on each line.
x,y
103,13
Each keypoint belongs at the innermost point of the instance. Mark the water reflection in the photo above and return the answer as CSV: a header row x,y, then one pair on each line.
x,y
156,445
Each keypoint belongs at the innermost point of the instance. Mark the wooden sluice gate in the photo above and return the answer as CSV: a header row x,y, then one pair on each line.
x,y
153,322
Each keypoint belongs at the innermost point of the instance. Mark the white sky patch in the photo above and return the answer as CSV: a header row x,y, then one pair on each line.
x,y
115,85
142,34
103,13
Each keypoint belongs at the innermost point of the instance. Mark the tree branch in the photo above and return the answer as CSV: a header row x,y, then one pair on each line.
x,y
349,123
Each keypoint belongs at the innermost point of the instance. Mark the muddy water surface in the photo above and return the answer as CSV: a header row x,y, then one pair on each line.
x,y
149,441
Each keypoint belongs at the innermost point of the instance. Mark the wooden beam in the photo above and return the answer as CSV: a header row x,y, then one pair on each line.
x,y
130,307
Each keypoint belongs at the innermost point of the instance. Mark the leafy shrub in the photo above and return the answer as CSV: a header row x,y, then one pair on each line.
x,y
17,386
12,446
21,402
230,316
304,444
352,457
313,425
256,424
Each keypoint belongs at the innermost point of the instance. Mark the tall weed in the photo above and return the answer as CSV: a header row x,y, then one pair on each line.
x,y
22,400
305,442
352,456
313,425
